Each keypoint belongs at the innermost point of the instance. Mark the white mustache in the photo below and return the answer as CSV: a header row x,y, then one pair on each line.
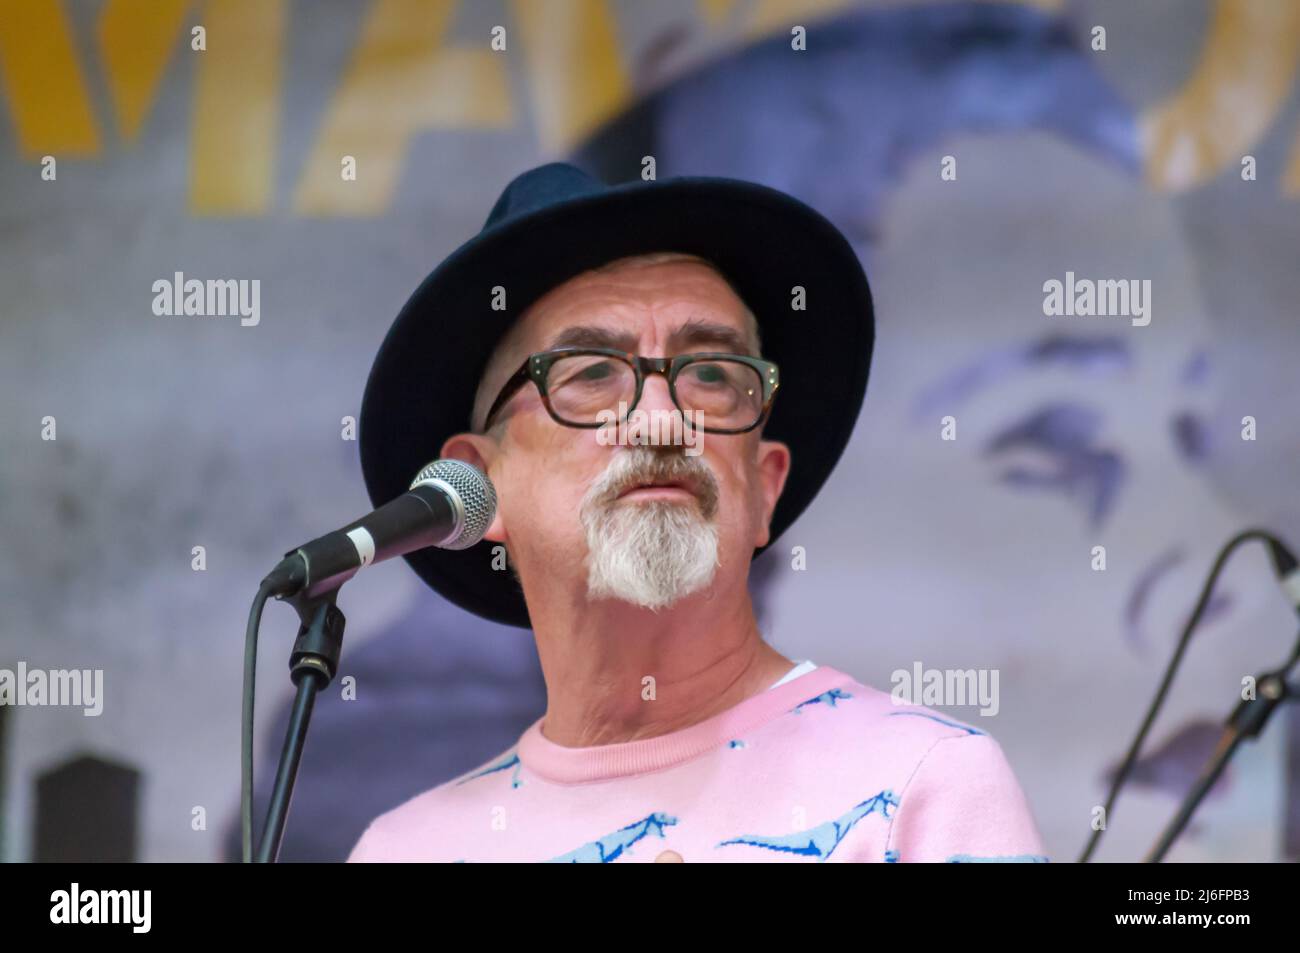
x,y
636,466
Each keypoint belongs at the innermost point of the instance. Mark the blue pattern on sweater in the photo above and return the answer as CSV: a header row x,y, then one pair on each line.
x,y
943,721
611,846
825,698
999,859
506,761
821,841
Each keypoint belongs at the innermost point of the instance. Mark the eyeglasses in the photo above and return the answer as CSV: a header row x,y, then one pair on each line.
x,y
583,387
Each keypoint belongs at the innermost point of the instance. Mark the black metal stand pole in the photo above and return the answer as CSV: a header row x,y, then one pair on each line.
x,y
1246,721
312,666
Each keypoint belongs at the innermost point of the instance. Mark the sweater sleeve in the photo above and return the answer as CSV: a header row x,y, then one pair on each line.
x,y
963,804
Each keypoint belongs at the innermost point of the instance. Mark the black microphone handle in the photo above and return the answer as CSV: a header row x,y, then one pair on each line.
x,y
423,516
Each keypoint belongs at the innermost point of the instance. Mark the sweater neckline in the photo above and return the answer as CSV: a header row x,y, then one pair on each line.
x,y
566,765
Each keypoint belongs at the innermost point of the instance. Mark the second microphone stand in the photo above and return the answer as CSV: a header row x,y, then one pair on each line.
x,y
1246,722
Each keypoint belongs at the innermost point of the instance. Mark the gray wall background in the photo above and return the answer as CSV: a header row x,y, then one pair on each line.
x,y
175,432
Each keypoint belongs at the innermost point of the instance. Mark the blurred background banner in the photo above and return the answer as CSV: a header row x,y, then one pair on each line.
x,y
1032,494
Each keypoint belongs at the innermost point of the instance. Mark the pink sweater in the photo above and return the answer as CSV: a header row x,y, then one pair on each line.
x,y
820,768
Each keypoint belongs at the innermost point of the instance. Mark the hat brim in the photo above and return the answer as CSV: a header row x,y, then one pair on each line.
x,y
422,384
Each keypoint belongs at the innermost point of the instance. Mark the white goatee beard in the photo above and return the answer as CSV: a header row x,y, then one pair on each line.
x,y
655,553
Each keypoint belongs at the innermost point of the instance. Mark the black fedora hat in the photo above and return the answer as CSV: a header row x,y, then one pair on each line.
x,y
554,222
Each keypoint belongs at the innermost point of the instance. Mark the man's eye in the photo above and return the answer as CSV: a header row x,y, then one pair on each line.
x,y
595,372
708,374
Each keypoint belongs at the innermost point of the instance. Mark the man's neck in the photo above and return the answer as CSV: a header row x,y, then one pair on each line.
x,y
615,672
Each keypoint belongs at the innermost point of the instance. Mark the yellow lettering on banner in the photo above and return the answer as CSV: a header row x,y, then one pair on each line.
x,y
43,81
715,11
402,79
1241,82
136,39
236,107
575,71
772,16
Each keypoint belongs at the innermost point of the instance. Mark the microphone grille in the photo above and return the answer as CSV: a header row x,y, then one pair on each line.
x,y
472,493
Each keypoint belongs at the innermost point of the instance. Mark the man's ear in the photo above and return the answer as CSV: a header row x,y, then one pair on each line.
x,y
481,451
773,468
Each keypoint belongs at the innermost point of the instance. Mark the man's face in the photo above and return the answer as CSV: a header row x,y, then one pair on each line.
x,y
569,502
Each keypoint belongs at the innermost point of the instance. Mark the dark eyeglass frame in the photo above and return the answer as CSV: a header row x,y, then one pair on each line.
x,y
538,367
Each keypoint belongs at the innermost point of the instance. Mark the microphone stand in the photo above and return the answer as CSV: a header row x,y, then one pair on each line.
x,y
450,504
313,663
1246,722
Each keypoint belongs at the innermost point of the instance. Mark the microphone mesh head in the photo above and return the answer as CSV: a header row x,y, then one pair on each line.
x,y
474,493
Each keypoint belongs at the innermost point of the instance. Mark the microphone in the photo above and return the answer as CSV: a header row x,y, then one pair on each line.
x,y
450,505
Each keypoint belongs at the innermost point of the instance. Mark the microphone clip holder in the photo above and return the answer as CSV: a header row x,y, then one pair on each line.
x,y
319,644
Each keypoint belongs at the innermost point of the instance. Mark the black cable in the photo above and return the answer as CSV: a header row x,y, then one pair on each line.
x,y
1183,640
246,734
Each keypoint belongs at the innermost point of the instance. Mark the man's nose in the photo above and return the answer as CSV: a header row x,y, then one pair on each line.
x,y
655,395
654,410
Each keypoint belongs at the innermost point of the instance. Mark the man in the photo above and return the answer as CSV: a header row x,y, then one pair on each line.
x,y
672,731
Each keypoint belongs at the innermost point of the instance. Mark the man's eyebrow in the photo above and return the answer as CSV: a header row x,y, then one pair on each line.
x,y
693,333
590,336
697,331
